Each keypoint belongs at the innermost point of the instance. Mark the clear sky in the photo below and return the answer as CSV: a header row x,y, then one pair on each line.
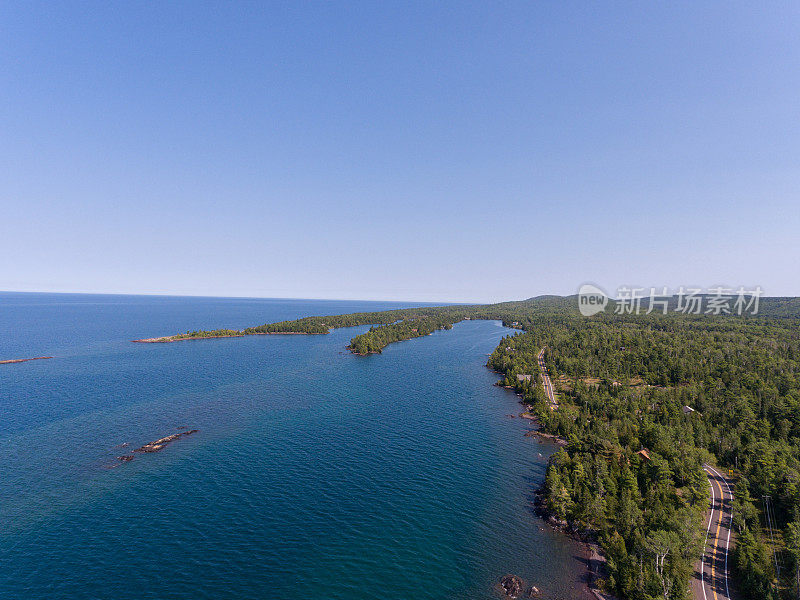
x,y
413,151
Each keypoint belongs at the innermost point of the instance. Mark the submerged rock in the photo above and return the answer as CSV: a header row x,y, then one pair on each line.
x,y
512,586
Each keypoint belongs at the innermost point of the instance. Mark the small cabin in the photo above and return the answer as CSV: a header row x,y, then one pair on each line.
x,y
687,410
521,378
645,454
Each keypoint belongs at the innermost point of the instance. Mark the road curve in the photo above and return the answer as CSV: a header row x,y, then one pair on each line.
x,y
548,385
711,574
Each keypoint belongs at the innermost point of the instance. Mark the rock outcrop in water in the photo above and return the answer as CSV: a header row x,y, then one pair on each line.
x,y
512,586
158,445
21,360
162,443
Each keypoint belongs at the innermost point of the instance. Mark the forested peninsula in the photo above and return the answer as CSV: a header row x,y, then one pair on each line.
x,y
644,402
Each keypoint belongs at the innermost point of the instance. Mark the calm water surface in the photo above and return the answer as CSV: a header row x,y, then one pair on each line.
x,y
315,474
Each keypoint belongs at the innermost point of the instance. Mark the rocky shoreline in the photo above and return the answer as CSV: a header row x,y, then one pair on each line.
x,y
513,587
595,561
550,437
168,339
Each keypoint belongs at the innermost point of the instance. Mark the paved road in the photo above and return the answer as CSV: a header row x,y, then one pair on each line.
x,y
711,576
548,385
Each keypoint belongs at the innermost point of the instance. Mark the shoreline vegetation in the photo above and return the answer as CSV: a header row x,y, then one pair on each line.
x,y
387,326
644,401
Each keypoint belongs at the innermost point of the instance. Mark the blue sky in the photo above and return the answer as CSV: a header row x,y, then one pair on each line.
x,y
412,151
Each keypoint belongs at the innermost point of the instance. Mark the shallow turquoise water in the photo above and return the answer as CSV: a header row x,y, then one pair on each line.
x,y
315,473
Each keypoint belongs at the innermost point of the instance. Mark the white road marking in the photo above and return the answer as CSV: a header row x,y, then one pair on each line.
x,y
728,539
705,544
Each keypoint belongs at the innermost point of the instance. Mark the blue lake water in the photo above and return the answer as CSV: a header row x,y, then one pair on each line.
x,y
315,473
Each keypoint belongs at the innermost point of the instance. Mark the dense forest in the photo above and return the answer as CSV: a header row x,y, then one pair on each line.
x,y
627,384
688,389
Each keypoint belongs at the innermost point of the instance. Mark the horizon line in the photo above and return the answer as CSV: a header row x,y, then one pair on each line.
x,y
432,302
178,295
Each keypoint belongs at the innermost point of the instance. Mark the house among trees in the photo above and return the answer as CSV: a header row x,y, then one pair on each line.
x,y
687,410
521,378
645,454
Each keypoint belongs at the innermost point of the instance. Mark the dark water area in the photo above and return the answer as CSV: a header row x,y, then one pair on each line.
x,y
314,474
